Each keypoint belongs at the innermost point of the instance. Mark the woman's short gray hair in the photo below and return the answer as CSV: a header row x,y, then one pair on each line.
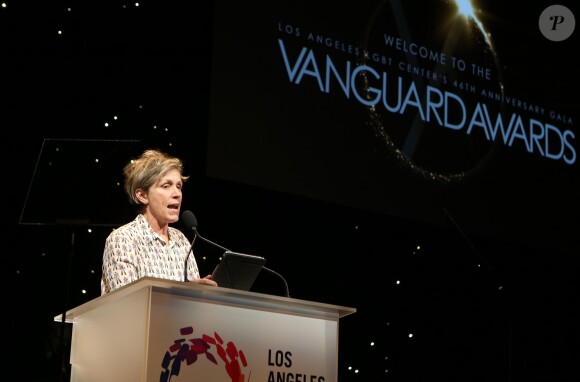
x,y
144,171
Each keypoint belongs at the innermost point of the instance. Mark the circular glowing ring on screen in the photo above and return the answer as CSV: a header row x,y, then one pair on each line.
x,y
460,23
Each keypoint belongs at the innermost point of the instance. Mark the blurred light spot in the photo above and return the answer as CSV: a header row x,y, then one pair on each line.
x,y
465,8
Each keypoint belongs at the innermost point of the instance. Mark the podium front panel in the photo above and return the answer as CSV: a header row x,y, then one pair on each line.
x,y
205,341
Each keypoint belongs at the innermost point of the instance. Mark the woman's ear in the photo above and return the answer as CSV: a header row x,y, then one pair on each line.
x,y
141,196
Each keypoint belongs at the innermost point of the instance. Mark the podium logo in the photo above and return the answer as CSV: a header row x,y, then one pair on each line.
x,y
185,352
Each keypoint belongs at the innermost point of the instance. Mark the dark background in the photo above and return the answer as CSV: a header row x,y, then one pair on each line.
x,y
479,307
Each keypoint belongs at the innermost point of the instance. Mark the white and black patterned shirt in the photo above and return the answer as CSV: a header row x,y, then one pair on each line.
x,y
134,250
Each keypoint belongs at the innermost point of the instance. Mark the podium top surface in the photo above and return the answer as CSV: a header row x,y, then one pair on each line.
x,y
226,296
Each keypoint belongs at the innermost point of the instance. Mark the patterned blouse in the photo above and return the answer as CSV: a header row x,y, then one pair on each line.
x,y
134,250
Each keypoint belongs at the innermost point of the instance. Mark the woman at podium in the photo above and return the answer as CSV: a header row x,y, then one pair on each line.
x,y
148,246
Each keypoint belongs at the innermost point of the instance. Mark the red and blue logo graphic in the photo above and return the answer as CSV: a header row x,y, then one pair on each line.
x,y
185,352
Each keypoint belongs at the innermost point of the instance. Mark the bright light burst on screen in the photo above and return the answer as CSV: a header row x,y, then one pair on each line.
x,y
465,9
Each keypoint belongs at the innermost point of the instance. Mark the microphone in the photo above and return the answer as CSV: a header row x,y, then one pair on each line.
x,y
286,290
189,220
191,223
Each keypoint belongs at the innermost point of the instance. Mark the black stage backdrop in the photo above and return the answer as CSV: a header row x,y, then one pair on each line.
x,y
385,155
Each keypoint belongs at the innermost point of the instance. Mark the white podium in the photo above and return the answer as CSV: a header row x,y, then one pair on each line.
x,y
159,331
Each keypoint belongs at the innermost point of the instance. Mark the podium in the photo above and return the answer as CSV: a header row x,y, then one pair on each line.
x,y
160,330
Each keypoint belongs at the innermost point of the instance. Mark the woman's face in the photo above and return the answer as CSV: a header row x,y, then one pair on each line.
x,y
164,198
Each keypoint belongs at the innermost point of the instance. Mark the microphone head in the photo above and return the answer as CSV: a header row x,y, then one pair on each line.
x,y
189,220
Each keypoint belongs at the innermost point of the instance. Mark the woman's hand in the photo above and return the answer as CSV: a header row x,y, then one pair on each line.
x,y
205,281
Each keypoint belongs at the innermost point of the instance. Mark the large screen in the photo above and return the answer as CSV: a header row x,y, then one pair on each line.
x,y
423,110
